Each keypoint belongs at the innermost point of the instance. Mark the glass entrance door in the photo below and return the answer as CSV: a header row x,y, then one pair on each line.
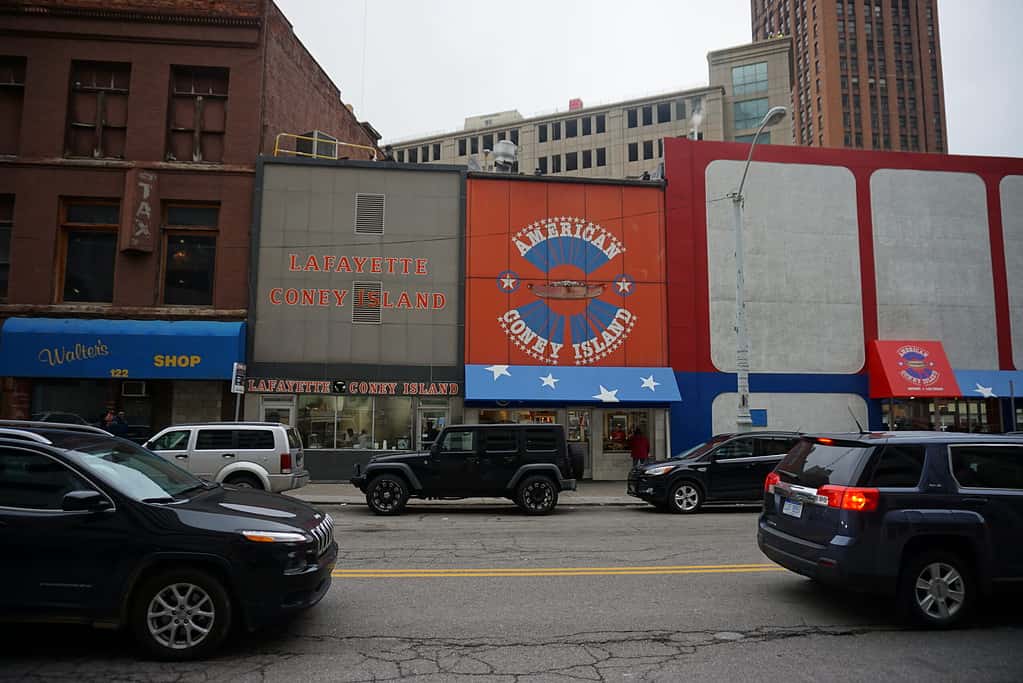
x,y
579,437
277,410
429,423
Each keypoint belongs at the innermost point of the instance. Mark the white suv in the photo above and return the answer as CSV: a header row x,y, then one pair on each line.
x,y
259,455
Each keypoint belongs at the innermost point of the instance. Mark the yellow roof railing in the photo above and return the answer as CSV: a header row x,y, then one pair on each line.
x,y
287,144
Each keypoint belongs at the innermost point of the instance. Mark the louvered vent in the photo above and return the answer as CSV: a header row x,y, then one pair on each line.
x,y
366,304
369,214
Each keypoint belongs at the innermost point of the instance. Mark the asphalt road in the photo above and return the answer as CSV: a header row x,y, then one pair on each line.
x,y
587,594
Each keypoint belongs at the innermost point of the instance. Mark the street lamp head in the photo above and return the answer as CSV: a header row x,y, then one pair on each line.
x,y
774,115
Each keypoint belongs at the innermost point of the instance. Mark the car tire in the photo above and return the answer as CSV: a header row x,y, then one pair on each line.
x,y
244,481
387,494
537,495
180,614
937,589
685,497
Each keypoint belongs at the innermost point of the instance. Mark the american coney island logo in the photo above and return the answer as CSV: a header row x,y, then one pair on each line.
x,y
916,367
578,314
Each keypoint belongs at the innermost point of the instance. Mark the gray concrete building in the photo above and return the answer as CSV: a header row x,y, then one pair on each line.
x,y
625,139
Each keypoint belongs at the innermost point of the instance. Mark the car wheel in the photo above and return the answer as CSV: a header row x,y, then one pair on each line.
x,y
537,495
180,614
685,497
937,589
244,481
387,494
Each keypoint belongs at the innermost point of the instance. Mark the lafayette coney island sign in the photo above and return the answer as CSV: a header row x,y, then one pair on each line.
x,y
578,315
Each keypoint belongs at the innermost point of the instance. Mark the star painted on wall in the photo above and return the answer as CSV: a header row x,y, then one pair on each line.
x,y
986,392
549,381
498,370
649,383
606,395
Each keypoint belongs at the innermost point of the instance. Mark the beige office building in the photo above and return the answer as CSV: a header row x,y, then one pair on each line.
x,y
625,139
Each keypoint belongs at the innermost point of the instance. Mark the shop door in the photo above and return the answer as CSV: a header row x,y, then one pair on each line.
x,y
279,410
579,438
429,423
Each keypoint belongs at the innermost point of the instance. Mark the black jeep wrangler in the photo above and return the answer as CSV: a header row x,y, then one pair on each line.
x,y
529,464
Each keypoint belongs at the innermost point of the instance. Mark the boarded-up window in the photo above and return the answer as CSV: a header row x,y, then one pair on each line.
x,y
12,97
97,122
369,214
366,304
197,113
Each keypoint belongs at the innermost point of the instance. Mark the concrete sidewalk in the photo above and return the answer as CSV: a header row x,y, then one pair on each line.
x,y
588,493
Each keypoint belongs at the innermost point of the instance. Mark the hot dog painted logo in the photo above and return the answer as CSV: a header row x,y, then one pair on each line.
x,y
582,286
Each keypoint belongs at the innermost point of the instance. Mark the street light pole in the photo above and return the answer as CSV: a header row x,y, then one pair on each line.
x,y
743,420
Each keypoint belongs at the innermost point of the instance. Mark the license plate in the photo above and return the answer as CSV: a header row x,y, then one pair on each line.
x,y
792,508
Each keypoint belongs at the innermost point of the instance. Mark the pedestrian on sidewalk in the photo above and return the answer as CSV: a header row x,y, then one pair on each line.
x,y
640,447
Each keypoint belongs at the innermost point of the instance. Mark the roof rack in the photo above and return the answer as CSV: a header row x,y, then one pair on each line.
x,y
66,427
24,434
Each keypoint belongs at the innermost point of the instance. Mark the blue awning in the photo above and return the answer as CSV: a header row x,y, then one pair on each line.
x,y
132,349
989,383
570,384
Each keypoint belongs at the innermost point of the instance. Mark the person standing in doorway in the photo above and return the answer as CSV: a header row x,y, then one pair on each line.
x,y
640,447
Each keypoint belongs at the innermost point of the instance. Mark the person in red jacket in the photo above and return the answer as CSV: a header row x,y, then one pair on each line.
x,y
640,447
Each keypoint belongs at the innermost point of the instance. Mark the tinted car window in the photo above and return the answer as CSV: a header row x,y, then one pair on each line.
x,y
132,470
737,448
500,441
897,465
458,440
701,449
992,467
293,439
214,439
773,446
814,464
32,480
541,440
255,439
171,441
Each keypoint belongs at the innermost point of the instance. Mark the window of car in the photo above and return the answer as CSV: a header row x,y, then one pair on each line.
x,y
736,448
989,467
814,463
214,439
500,441
897,465
35,481
255,439
132,470
176,440
458,441
294,440
541,441
772,446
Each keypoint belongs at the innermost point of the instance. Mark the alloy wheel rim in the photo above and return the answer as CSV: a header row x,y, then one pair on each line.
x,y
940,590
180,616
386,495
243,484
687,497
538,496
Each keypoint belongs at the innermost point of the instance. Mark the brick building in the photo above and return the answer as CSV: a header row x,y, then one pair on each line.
x,y
129,131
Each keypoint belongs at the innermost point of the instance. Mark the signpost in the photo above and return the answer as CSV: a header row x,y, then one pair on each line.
x,y
238,387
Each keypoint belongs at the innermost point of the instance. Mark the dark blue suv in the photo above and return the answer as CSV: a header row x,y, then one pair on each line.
x,y
932,518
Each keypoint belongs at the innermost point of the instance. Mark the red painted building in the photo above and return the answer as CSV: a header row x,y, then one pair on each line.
x,y
129,131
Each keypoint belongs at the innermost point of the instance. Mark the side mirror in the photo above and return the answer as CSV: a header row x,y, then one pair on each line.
x,y
435,449
90,501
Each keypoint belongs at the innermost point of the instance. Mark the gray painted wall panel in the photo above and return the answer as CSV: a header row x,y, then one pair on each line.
x,y
803,298
933,263
1011,190
797,412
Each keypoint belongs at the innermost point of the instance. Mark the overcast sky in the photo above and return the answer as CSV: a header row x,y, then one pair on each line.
x,y
414,67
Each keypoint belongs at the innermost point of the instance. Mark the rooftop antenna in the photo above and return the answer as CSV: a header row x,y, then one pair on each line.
x,y
858,425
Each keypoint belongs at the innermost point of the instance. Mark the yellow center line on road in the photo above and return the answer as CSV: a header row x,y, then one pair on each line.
x,y
502,572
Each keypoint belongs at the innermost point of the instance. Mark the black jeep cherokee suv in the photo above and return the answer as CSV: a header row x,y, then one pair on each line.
x,y
932,518
97,530
529,464
725,468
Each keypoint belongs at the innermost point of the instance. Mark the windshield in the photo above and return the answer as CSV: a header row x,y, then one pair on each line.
x,y
814,464
132,470
701,448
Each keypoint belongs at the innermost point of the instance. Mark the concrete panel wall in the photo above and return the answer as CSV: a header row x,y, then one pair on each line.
x,y
802,412
803,299
1012,228
933,263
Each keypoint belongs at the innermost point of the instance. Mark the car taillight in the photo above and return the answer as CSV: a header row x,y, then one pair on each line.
x,y
850,497
285,463
772,479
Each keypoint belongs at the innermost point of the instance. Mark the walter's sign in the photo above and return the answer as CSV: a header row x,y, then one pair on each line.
x,y
583,287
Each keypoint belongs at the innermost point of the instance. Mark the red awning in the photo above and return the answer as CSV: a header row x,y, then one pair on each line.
x,y
906,369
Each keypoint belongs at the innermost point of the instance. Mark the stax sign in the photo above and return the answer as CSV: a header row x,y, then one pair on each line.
x,y
569,319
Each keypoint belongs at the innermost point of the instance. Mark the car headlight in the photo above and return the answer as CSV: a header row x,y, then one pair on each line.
x,y
657,471
274,536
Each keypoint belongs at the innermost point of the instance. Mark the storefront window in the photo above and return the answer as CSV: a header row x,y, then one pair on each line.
x,y
505,416
618,426
952,415
317,420
579,426
393,423
355,422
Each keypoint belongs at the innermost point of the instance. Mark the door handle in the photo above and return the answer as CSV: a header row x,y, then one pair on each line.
x,y
975,501
181,456
227,455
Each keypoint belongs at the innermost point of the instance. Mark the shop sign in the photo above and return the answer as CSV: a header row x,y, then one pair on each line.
x,y
351,387
138,221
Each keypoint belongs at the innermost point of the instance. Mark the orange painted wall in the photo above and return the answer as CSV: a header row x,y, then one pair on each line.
x,y
527,239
